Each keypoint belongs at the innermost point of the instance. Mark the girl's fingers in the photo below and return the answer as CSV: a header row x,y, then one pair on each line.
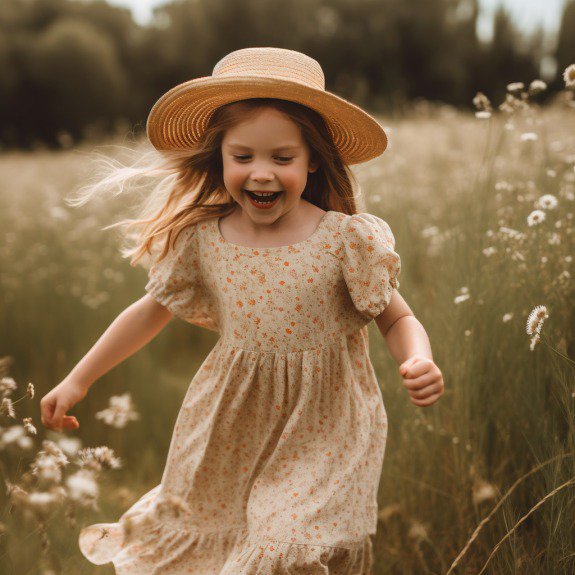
x,y
426,391
425,402
418,382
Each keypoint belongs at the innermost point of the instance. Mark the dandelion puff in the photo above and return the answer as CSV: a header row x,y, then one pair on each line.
x,y
82,487
46,468
461,298
537,86
507,317
29,426
69,445
569,76
98,458
30,390
547,202
7,408
535,217
119,412
535,319
51,449
483,115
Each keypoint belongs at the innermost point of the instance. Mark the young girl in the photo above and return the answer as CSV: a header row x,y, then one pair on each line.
x,y
276,454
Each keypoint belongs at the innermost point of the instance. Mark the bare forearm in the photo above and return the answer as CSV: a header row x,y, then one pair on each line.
x,y
131,330
407,337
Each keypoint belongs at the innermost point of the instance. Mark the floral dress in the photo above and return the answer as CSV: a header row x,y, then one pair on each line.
x,y
276,454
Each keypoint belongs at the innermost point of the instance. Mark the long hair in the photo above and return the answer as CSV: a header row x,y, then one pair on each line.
x,y
191,188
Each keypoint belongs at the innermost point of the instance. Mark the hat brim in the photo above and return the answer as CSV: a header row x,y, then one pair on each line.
x,y
179,117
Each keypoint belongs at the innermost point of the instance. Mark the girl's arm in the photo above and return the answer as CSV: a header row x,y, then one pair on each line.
x,y
132,329
403,333
409,345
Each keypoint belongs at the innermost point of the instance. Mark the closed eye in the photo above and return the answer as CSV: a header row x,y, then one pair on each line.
x,y
246,157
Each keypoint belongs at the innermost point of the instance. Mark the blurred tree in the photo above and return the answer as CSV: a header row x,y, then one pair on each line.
x,y
508,58
75,79
65,65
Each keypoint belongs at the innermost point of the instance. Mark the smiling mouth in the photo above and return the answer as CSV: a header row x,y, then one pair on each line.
x,y
263,197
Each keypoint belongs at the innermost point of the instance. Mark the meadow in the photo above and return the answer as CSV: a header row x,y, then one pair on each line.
x,y
482,211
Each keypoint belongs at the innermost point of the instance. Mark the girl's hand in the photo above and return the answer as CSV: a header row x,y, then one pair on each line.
x,y
57,402
423,380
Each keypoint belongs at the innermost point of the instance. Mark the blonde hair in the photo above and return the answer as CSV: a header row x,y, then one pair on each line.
x,y
191,188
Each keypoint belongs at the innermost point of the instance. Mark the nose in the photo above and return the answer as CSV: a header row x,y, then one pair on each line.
x,y
261,173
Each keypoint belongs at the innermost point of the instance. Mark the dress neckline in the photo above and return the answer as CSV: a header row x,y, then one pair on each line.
x,y
270,248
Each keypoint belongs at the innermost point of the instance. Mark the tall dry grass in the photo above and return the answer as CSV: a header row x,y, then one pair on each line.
x,y
482,481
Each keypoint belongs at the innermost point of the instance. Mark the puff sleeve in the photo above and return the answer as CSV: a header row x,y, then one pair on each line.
x,y
369,263
176,281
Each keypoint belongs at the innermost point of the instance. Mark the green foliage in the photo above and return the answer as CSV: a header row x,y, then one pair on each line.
x,y
69,66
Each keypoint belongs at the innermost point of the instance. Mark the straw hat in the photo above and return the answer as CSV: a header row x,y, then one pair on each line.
x,y
178,119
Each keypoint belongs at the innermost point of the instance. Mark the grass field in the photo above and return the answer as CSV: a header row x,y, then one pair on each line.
x,y
480,250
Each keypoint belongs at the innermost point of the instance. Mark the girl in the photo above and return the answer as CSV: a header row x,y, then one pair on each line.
x,y
276,454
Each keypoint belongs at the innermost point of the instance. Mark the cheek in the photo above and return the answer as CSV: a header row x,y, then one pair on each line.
x,y
234,175
295,179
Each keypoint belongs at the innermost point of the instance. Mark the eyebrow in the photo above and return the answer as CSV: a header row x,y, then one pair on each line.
x,y
286,147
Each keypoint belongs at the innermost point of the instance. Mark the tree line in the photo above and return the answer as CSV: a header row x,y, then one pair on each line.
x,y
79,67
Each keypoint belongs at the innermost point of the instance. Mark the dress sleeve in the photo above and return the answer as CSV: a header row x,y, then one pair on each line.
x,y
176,281
369,263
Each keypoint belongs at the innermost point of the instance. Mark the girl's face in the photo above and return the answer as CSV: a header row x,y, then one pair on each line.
x,y
266,154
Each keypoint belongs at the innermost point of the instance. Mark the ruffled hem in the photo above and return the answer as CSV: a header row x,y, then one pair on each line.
x,y
155,546
252,557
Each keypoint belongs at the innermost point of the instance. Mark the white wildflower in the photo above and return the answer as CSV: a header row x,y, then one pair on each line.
x,y
535,217
569,76
547,202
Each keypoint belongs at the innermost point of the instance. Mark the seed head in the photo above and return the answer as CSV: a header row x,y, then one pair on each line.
x,y
535,320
